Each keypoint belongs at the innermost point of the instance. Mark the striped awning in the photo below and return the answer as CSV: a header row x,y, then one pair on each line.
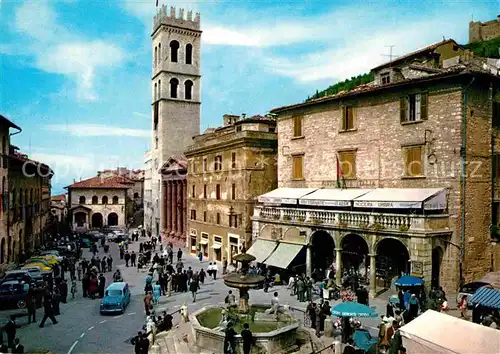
x,y
487,297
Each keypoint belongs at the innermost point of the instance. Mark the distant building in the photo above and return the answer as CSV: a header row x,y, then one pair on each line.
x,y
483,31
148,201
228,168
100,202
58,207
137,176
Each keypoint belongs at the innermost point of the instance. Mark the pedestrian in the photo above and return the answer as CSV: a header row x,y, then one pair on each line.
x,y
229,341
230,299
311,312
101,285
73,289
93,286
103,264
214,270
18,348
127,258
179,255
63,290
248,339
200,256
193,287
31,305
48,310
121,253
224,266
169,284
148,303
3,347
110,263
413,307
10,329
156,292
463,307
56,298
79,271
133,257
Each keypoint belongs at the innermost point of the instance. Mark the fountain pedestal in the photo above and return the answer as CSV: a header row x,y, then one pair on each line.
x,y
243,305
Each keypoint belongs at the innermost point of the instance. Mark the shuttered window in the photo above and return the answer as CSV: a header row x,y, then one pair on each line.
x,y
413,161
348,164
297,167
413,108
297,126
348,117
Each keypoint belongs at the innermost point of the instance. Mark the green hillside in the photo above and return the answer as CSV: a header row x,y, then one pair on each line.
x,y
489,49
345,85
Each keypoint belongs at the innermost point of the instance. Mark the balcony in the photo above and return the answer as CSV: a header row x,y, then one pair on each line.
x,y
352,219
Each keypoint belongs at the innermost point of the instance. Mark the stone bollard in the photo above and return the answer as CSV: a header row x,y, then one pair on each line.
x,y
155,349
328,327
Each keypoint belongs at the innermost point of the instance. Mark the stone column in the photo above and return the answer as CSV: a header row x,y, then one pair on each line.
x,y
184,208
163,214
308,261
373,276
338,266
174,208
169,206
179,208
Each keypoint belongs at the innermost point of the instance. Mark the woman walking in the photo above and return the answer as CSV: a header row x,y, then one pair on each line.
x,y
463,307
193,287
156,292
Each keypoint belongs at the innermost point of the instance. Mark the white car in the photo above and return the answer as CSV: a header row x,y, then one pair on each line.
x,y
53,253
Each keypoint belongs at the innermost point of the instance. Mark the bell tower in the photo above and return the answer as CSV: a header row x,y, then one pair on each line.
x,y
176,92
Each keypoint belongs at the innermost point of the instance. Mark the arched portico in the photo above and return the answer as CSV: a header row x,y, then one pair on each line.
x,y
393,260
322,248
355,252
97,220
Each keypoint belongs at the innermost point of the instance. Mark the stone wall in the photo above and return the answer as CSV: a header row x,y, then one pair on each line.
x,y
483,31
4,149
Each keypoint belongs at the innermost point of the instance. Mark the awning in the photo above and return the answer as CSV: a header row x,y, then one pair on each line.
x,y
261,249
487,297
403,198
217,246
334,197
283,255
203,242
284,195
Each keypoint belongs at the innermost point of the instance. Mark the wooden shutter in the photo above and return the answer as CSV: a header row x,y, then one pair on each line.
x,y
414,161
350,118
297,167
423,106
403,108
297,126
348,164
343,125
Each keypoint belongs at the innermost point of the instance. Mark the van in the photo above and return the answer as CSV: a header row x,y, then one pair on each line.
x,y
116,298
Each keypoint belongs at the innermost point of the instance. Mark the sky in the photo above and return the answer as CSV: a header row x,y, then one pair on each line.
x,y
76,74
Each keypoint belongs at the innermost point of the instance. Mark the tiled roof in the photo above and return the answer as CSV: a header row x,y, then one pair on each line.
x,y
19,156
59,197
256,118
114,182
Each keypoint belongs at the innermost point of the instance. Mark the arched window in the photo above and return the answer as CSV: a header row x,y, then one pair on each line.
x,y
188,89
115,199
104,200
159,53
174,51
155,92
159,89
174,84
81,200
95,200
156,56
189,54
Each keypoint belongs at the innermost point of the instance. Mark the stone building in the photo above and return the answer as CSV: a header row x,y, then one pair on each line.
x,y
58,207
136,193
148,202
483,31
174,202
398,149
99,202
228,168
176,95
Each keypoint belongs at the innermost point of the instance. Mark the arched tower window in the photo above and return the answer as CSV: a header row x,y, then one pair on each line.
x,y
188,89
174,84
95,200
189,54
155,92
174,51
81,200
115,199
159,89
156,56
159,53
104,200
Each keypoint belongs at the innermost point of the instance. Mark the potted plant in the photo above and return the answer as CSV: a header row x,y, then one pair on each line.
x,y
377,226
286,217
363,225
342,224
404,228
301,219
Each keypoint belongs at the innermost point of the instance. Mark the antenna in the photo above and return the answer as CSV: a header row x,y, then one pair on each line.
x,y
390,55
29,146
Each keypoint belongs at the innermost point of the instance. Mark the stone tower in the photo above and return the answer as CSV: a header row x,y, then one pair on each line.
x,y
176,92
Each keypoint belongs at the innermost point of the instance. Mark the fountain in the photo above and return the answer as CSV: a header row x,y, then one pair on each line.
x,y
243,281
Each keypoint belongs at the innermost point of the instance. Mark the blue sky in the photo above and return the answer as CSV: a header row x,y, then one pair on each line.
x,y
75,74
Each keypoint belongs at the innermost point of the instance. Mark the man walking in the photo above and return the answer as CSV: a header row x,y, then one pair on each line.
x,y
110,263
31,305
10,329
179,255
248,339
48,310
193,287
133,257
102,285
127,258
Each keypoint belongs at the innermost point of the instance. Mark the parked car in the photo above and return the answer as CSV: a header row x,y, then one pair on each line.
x,y
53,253
13,294
470,289
51,260
116,298
44,266
36,273
116,236
17,275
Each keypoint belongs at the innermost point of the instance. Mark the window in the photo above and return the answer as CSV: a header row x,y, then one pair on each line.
x,y
159,89
413,108
297,126
105,200
217,192
413,161
347,160
174,51
238,128
188,89
218,163
385,78
217,220
155,97
155,116
233,160
205,165
204,216
233,191
174,84
155,56
297,164
115,199
205,191
189,54
193,191
193,214
347,118
233,220
159,53
156,141
95,200
81,200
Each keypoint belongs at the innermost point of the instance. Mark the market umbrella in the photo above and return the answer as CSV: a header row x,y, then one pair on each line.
x,y
409,280
353,309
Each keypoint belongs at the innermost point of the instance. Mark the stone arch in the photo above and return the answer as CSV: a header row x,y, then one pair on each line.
x,y
355,250
97,220
266,231
292,231
188,89
393,258
80,219
112,219
174,85
174,51
322,246
2,251
189,54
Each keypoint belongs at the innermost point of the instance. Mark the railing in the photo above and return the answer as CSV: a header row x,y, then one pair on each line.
x,y
356,219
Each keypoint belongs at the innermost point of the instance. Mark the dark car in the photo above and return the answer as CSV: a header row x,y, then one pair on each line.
x,y
13,294
470,289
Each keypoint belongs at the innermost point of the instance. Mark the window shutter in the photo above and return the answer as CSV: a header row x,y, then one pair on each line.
x,y
342,119
352,118
403,107
299,163
423,106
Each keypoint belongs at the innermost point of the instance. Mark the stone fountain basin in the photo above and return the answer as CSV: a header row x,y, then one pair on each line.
x,y
279,340
237,280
